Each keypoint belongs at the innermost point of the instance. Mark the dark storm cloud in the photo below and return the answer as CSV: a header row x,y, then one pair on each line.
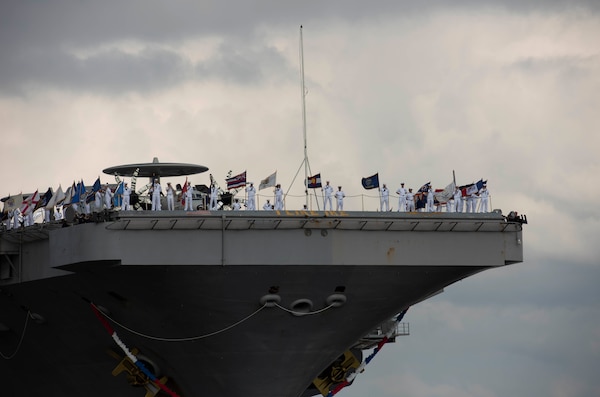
x,y
115,71
35,37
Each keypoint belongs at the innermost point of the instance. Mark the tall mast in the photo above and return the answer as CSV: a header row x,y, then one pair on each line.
x,y
303,95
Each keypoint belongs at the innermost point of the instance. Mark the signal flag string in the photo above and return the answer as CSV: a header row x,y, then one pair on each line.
x,y
362,365
129,354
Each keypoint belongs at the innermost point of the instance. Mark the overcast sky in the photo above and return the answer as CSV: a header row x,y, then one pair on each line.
x,y
505,91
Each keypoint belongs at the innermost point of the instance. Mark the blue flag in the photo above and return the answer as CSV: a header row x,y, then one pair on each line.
x,y
371,182
75,192
118,196
97,185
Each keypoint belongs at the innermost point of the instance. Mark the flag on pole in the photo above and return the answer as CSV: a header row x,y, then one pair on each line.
x,y
314,182
13,202
97,185
29,203
236,181
44,199
446,194
269,181
118,196
183,191
56,198
371,182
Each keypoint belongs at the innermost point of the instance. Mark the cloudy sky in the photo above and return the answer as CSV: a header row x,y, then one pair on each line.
x,y
506,91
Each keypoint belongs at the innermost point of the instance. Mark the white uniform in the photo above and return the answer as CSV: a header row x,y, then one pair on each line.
x,y
213,197
188,197
156,191
430,200
485,200
126,199
98,200
410,202
385,198
267,206
108,195
458,200
251,204
237,206
170,198
278,198
402,200
339,196
328,191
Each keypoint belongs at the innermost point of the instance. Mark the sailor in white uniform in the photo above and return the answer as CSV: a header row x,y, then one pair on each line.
x,y
385,198
485,199
170,197
97,201
410,200
236,205
188,197
251,203
328,193
213,197
267,206
430,200
402,199
108,195
156,192
278,198
339,196
458,200
126,198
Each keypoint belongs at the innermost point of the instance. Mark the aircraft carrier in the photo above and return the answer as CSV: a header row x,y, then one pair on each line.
x,y
224,303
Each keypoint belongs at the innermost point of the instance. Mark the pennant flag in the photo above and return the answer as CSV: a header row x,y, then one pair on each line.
x,y
13,202
97,185
269,181
371,182
444,195
236,181
314,182
29,203
183,191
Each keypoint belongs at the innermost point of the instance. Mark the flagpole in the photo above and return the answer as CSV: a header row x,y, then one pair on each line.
x,y
303,95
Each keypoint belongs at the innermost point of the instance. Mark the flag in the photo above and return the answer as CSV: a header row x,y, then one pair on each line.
x,y
67,197
371,182
269,181
82,189
183,191
236,181
59,195
424,188
13,202
75,190
467,190
444,195
29,203
314,182
97,185
44,199
118,196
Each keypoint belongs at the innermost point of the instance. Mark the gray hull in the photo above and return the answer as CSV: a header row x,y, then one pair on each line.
x,y
204,277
